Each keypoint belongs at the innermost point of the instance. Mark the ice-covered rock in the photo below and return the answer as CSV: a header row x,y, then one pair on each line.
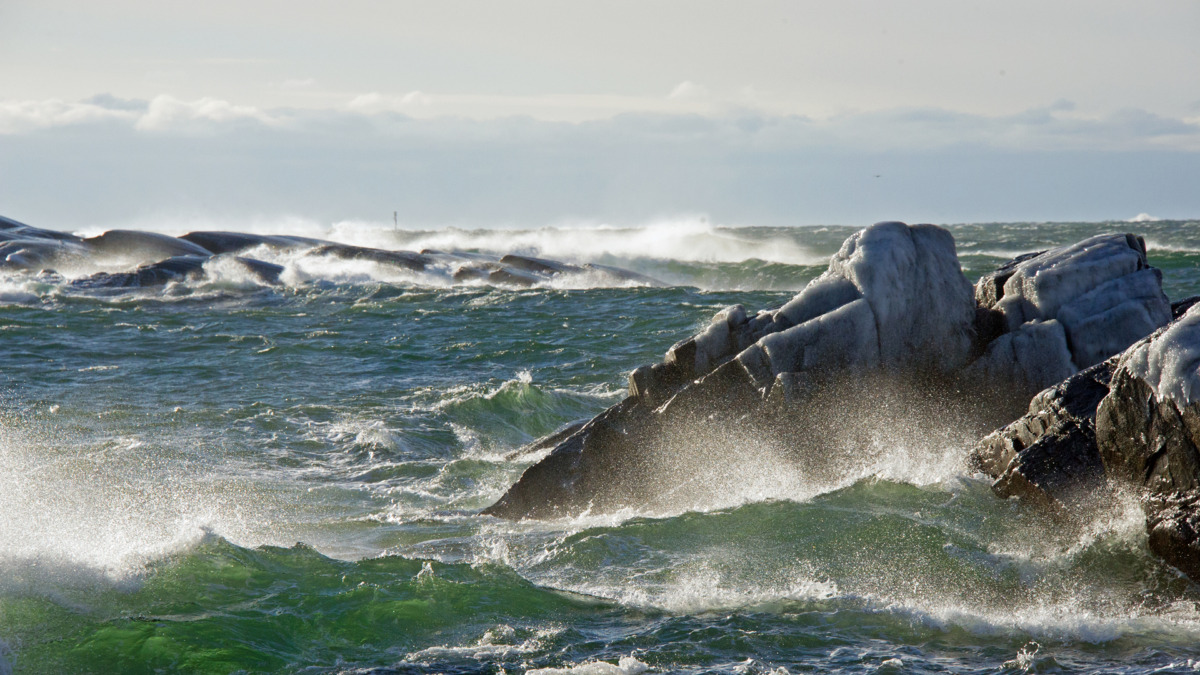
x,y
894,300
894,297
892,306
1029,358
1148,427
1148,433
1044,316
1133,419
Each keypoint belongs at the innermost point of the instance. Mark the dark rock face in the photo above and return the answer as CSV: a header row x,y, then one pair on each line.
x,y
236,242
1173,525
1049,456
143,244
1148,427
404,259
177,268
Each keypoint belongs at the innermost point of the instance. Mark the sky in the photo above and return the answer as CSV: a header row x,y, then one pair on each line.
x,y
533,113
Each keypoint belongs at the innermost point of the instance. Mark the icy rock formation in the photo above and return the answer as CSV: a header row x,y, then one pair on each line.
x,y
1050,314
894,296
1148,432
893,305
894,300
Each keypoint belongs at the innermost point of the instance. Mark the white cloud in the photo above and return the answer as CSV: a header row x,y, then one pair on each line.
x,y
688,90
167,113
376,102
22,116
1055,127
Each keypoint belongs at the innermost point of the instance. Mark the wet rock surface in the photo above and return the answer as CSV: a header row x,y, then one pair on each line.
x,y
1049,456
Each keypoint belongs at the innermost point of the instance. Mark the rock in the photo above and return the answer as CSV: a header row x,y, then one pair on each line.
x,y
145,247
35,254
11,229
1133,420
538,266
891,317
525,272
1179,308
894,300
1042,317
1148,427
594,468
178,268
894,297
236,242
403,259
1173,526
1027,359
1049,457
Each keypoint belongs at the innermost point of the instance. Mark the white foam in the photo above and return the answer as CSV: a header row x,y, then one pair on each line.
x,y
626,665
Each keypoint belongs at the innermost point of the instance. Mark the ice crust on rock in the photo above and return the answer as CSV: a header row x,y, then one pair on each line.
x,y
844,337
924,307
1170,362
1041,285
894,296
892,309
1109,318
1068,308
1034,356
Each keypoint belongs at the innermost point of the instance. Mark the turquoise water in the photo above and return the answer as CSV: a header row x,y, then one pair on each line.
x,y
222,477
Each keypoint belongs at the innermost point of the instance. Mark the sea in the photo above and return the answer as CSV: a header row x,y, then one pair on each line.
x,y
228,477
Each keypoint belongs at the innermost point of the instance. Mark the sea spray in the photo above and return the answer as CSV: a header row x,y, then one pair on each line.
x,y
164,450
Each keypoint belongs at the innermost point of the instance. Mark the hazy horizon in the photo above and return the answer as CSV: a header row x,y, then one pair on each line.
x,y
531,114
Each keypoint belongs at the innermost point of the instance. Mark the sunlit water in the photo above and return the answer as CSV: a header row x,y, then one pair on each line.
x,y
226,477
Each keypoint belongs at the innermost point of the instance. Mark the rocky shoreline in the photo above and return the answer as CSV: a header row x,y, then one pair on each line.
x,y
1080,338
147,259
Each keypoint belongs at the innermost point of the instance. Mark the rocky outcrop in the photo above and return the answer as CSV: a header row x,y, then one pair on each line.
x,y
894,297
892,307
1148,434
1049,456
180,268
1132,421
1051,314
135,259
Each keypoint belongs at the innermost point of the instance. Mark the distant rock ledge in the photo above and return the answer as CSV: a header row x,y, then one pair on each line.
x,y
146,259
893,321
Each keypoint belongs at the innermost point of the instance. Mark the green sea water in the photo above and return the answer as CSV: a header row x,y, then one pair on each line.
x,y
224,477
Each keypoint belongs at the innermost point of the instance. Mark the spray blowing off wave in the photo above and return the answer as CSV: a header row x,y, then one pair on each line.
x,y
675,254
687,238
